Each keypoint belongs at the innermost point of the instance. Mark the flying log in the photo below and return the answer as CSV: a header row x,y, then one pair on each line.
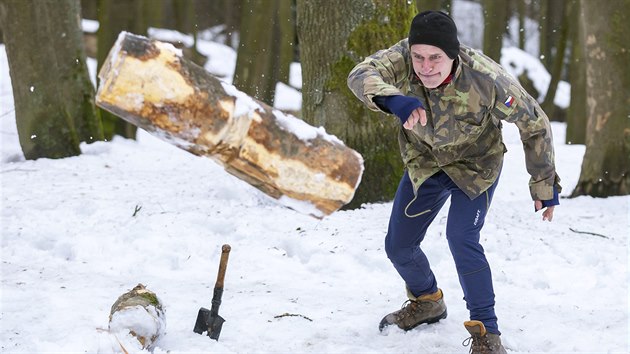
x,y
151,85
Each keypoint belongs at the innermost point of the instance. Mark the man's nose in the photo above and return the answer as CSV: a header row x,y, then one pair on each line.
x,y
426,66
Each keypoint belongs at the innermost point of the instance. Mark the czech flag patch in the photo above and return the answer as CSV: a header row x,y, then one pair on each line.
x,y
509,101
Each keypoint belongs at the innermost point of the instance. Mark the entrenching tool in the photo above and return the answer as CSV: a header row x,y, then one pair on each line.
x,y
209,320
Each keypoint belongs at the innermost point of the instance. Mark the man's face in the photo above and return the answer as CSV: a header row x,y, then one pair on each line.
x,y
431,64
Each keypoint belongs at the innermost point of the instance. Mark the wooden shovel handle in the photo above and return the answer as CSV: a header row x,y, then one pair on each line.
x,y
225,253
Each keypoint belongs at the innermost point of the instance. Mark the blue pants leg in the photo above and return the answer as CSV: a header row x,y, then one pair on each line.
x,y
465,220
410,218
408,223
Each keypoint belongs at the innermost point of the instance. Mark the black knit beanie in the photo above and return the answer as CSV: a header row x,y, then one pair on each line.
x,y
437,29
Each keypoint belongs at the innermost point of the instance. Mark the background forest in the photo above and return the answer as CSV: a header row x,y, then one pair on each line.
x,y
92,206
582,43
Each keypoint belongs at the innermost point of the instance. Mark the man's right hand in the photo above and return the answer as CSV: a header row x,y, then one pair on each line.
x,y
417,115
408,109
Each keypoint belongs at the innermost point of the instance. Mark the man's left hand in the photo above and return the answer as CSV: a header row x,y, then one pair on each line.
x,y
547,213
549,204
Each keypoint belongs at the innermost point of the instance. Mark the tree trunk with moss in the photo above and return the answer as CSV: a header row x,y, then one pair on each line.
x,y
53,94
606,166
265,51
333,39
115,16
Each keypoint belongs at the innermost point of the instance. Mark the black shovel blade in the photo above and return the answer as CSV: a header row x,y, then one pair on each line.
x,y
214,328
200,324
207,322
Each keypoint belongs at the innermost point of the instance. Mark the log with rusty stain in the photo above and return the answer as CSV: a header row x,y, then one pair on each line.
x,y
149,84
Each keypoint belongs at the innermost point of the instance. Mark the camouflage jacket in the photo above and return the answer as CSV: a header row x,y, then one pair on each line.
x,y
463,132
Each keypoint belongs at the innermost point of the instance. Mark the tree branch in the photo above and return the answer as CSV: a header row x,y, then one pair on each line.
x,y
292,315
588,233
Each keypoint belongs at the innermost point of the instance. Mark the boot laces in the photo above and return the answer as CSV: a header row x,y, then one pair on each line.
x,y
406,309
409,307
479,345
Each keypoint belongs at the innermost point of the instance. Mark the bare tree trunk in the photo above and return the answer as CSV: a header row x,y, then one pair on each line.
x,y
606,165
287,38
89,9
520,7
260,63
548,104
333,39
180,14
495,23
543,20
577,113
152,14
550,22
186,21
230,15
230,26
116,16
54,97
442,5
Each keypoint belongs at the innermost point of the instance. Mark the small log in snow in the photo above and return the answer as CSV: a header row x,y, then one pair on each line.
x,y
138,313
150,84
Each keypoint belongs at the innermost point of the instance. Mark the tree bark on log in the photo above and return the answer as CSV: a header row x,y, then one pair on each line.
x,y
150,84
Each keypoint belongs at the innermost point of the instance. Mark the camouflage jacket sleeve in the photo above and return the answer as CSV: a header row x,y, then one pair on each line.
x,y
384,73
514,105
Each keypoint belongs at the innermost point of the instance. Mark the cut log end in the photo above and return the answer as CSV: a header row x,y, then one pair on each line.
x,y
139,313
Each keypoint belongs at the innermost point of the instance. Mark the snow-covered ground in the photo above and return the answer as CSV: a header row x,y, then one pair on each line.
x,y
78,232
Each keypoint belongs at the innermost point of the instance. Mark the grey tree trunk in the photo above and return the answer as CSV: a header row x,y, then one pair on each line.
x,y
606,165
114,17
266,47
54,97
333,39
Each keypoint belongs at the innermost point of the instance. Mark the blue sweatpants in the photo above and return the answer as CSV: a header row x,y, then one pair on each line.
x,y
410,218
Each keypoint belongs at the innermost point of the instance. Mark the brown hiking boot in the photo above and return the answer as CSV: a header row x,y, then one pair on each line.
x,y
482,341
428,308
